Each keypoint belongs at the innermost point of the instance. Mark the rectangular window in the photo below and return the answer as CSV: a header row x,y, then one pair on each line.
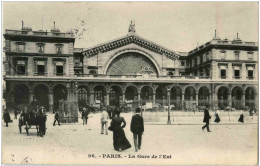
x,y
250,74
59,49
223,55
21,69
40,69
223,73
182,63
237,74
250,55
41,48
59,70
20,47
236,55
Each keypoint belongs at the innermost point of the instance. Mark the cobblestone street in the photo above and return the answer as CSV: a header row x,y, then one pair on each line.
x,y
229,142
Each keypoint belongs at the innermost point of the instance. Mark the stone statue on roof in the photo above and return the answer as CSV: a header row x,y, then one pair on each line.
x,y
131,27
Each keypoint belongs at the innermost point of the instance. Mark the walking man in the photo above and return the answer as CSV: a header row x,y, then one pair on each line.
x,y
56,118
137,128
85,116
6,117
206,119
104,120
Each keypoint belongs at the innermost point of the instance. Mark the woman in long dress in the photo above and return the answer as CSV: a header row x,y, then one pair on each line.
x,y
120,141
217,119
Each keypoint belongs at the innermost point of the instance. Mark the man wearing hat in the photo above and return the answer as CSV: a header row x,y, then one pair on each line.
x,y
104,120
6,117
206,119
137,128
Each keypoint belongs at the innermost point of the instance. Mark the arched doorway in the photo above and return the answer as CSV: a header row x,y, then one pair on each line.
x,y
223,97
203,96
41,92
176,100
161,95
83,97
115,96
21,96
59,94
131,96
237,97
250,97
146,95
190,97
99,95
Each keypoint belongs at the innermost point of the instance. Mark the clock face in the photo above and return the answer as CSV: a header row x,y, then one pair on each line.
x,y
131,64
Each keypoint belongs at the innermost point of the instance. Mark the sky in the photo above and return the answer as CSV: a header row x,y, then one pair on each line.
x,y
179,26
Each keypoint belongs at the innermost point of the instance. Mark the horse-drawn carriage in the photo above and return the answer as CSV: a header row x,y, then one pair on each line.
x,y
29,119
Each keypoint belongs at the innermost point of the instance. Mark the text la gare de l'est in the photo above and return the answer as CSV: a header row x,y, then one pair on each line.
x,y
136,156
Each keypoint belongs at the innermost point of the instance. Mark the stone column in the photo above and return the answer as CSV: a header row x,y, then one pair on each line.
x,y
85,65
154,95
30,96
50,66
182,100
12,101
210,100
197,98
51,102
256,100
169,104
107,101
139,98
123,97
91,97
229,99
243,100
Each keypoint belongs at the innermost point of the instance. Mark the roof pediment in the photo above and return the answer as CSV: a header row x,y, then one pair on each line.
x,y
129,39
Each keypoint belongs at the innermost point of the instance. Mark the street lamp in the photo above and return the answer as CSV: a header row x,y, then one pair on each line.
x,y
169,116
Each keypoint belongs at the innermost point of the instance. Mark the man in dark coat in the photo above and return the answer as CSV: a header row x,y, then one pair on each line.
x,y
206,119
34,105
137,128
6,117
56,118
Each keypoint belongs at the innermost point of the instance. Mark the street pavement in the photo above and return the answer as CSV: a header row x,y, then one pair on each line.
x,y
182,143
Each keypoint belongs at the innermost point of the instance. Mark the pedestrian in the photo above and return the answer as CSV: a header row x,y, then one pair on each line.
x,y
206,119
85,113
33,107
109,111
104,120
113,112
6,117
41,121
217,119
15,113
251,111
241,117
120,141
56,118
137,128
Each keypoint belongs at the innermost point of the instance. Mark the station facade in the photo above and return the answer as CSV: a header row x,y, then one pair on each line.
x,y
129,70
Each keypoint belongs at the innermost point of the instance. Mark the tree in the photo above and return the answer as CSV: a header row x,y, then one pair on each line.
x,y
79,30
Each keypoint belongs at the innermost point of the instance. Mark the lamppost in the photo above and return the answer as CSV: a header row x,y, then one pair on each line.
x,y
76,91
168,98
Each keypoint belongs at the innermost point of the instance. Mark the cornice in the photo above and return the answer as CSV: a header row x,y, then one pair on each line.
x,y
129,40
